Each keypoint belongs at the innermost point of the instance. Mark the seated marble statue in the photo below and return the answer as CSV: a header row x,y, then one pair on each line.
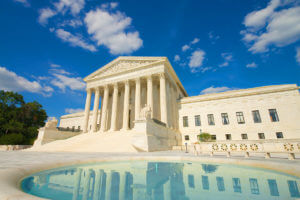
x,y
145,113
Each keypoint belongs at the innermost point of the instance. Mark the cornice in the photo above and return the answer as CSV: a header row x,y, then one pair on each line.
x,y
240,93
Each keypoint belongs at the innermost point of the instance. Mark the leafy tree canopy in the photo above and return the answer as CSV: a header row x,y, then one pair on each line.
x,y
204,137
19,121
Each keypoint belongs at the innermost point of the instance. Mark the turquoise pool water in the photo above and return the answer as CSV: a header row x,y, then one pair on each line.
x,y
143,180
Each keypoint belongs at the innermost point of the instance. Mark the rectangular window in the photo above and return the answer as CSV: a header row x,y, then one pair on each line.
x,y
279,135
228,136
273,187
213,137
244,136
211,120
186,137
273,115
225,119
256,116
191,181
205,183
220,183
185,121
254,186
261,135
197,120
293,188
240,117
236,185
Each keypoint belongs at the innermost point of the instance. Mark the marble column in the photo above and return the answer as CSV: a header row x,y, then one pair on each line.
x,y
108,185
163,99
114,108
104,109
98,180
167,190
172,107
175,108
87,110
77,184
122,186
150,94
86,186
126,106
137,98
95,110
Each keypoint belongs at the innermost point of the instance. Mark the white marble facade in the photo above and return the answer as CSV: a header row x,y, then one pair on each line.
x,y
122,88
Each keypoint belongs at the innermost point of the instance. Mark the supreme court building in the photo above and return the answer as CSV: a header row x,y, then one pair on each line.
x,y
143,96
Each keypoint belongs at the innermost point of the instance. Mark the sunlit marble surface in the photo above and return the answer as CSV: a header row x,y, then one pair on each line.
x,y
16,165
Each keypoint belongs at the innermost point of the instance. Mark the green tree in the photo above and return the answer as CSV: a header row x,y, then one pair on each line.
x,y
204,137
19,121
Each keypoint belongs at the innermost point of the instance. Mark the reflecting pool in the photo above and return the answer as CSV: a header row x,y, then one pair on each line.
x,y
139,180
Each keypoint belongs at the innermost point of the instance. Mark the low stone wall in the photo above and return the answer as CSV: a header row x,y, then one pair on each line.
x,y
51,134
268,147
13,147
151,136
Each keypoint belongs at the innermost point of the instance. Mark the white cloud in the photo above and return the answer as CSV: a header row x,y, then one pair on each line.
x,y
176,58
54,65
227,58
10,81
257,19
109,29
213,89
59,71
251,65
45,14
298,55
196,40
185,47
114,5
75,6
24,2
63,82
74,40
196,59
72,22
272,26
73,110
213,37
204,69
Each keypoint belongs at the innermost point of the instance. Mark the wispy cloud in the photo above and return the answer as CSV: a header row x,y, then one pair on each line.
x,y
227,58
176,58
24,2
213,89
298,55
196,60
10,81
276,25
251,65
73,110
74,40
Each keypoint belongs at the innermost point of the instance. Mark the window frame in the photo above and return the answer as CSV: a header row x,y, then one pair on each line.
x,y
239,116
244,134
225,117
279,133
197,119
274,118
228,134
185,121
258,115
264,136
212,119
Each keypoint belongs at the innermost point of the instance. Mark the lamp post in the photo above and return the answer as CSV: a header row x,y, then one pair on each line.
x,y
186,151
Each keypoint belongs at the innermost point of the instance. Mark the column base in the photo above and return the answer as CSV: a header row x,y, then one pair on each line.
x,y
124,129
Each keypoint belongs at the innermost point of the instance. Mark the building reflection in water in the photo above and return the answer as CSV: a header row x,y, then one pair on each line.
x,y
161,181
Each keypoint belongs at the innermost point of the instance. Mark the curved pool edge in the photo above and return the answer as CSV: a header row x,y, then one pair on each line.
x,y
11,179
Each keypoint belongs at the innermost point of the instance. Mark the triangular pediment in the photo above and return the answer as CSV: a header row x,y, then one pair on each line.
x,y
122,64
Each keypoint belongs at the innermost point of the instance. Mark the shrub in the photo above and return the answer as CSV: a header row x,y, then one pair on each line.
x,y
204,137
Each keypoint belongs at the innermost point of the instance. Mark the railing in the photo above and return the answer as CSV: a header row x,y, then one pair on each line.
x,y
290,147
159,122
68,129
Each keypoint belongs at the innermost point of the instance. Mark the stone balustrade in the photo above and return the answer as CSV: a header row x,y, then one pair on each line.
x,y
266,147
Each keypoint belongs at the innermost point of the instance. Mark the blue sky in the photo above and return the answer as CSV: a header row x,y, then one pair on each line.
x,y
47,47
